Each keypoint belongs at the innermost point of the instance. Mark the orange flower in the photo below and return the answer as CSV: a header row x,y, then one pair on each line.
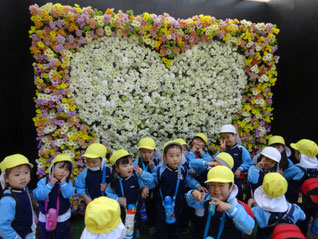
x,y
109,11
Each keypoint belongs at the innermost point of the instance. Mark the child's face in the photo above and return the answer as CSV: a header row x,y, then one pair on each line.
x,y
93,162
197,144
297,155
268,163
19,176
228,138
173,157
125,170
184,150
146,154
220,191
279,147
60,170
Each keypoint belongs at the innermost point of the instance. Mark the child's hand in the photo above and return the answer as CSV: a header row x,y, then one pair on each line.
x,y
221,206
198,195
251,202
260,164
36,220
151,163
65,177
145,192
123,202
138,169
103,187
223,146
53,179
191,171
87,200
202,189
237,173
212,164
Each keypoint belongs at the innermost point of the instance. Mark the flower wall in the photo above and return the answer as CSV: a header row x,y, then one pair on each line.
x,y
116,77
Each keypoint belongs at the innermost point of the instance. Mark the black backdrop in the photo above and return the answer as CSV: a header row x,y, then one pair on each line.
x,y
295,93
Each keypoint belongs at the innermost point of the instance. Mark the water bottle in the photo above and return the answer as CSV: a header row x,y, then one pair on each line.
x,y
143,213
169,210
130,220
314,225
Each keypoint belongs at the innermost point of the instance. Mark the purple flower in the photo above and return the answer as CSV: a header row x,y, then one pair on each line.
x,y
60,39
52,63
78,33
274,48
70,39
107,18
52,25
191,39
60,23
251,52
59,48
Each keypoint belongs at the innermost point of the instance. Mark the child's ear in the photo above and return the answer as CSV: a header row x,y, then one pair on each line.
x,y
117,169
164,158
232,187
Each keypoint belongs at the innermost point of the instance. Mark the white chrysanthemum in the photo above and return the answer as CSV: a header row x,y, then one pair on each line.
x,y
124,91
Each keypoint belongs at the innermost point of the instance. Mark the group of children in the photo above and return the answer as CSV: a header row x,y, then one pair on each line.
x,y
223,196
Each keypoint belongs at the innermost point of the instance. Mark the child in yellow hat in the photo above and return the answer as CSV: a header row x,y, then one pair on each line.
x,y
172,178
148,160
17,218
272,207
126,185
55,191
306,153
224,217
102,220
93,180
199,157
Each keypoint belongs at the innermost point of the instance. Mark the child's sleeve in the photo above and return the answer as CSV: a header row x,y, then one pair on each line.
x,y
246,160
155,175
253,174
261,216
242,221
293,172
298,214
206,156
80,184
67,189
192,202
7,209
112,194
145,179
42,191
191,182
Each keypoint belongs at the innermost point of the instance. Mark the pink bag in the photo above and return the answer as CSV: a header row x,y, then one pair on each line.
x,y
52,214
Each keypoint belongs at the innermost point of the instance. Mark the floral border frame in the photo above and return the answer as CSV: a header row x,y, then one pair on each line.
x,y
61,30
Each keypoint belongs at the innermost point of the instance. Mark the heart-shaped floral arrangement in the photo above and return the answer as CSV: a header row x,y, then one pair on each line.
x,y
115,78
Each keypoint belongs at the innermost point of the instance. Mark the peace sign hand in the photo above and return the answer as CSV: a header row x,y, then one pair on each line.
x,y
221,206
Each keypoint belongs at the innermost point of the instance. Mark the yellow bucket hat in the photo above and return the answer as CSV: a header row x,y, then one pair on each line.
x,y
306,147
95,150
117,155
102,215
276,139
181,141
225,159
147,143
220,174
62,158
170,142
14,160
202,136
274,185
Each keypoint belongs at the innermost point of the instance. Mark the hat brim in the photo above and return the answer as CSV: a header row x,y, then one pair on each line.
x,y
294,146
218,180
146,147
268,203
91,156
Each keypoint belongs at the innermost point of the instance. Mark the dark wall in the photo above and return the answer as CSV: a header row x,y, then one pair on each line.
x,y
295,94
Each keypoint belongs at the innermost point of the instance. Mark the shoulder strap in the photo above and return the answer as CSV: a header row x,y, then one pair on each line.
x,y
103,179
57,202
247,209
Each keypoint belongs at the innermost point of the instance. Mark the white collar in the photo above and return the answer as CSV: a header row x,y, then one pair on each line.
x,y
119,232
268,203
308,162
